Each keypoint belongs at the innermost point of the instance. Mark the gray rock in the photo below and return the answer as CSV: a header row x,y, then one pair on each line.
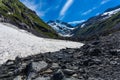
x,y
58,76
9,62
48,71
38,66
18,78
90,78
94,52
42,78
68,72
54,66
71,78
113,62
31,75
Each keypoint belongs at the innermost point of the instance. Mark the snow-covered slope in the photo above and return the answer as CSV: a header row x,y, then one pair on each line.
x,y
112,12
107,14
103,24
62,28
15,42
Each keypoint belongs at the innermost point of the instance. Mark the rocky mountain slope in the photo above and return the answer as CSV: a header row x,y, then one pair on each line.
x,y
62,28
96,60
14,12
100,25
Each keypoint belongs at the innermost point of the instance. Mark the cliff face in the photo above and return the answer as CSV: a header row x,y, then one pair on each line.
x,y
14,12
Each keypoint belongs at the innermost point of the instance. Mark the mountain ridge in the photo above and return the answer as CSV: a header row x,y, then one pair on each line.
x,y
62,28
100,25
16,13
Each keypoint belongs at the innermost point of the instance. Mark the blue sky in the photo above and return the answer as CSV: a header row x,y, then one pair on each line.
x,y
72,11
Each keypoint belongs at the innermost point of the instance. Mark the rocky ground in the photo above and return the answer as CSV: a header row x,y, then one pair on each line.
x,y
97,60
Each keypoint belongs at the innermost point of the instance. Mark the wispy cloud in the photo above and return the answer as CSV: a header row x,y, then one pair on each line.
x,y
30,4
97,14
76,22
33,6
104,1
65,7
88,11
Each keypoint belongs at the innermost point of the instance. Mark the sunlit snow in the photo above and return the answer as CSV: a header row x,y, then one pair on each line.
x,y
15,42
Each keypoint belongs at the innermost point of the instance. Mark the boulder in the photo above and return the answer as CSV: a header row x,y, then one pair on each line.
x,y
38,66
58,75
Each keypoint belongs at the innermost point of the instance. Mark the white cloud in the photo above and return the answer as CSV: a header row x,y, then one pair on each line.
x,y
30,4
33,6
41,13
76,22
66,7
97,14
88,11
104,1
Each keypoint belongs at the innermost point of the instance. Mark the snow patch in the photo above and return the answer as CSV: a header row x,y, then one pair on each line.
x,y
16,42
83,25
62,29
110,13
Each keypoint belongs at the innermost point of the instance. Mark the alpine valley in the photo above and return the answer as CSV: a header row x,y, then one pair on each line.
x,y
99,25
31,49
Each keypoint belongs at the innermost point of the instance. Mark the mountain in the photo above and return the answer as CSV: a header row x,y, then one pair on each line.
x,y
62,28
96,26
14,12
100,25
